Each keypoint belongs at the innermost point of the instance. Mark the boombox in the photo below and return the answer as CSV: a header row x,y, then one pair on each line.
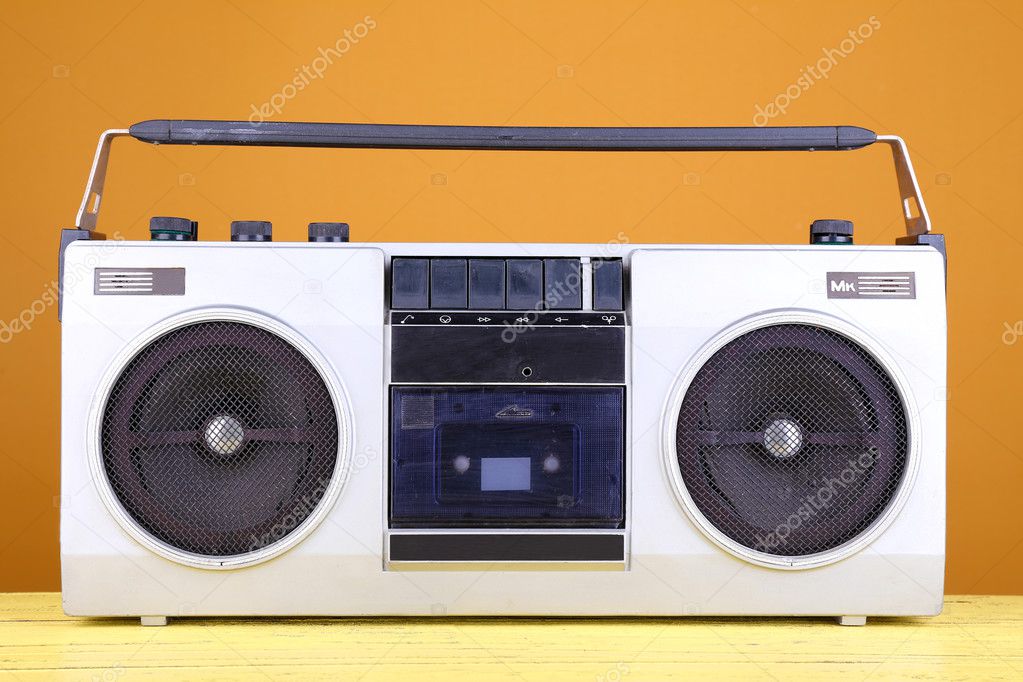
x,y
331,428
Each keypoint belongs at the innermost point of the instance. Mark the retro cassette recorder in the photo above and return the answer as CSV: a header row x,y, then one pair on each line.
x,y
252,427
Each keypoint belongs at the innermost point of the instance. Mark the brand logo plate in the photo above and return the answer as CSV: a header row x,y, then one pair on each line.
x,y
871,285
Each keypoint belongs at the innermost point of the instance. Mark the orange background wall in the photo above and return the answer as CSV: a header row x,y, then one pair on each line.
x,y
945,75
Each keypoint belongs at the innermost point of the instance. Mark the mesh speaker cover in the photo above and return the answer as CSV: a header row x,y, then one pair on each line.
x,y
219,438
792,440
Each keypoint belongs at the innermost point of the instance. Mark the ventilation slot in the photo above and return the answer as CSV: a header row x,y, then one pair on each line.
x,y
140,281
885,285
124,281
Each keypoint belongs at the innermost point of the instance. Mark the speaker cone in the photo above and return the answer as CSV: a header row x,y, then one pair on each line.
x,y
219,438
791,440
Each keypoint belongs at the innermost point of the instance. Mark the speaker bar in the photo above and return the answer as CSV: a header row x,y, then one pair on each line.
x,y
507,547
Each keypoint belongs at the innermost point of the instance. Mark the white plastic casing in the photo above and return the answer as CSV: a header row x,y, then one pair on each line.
x,y
329,298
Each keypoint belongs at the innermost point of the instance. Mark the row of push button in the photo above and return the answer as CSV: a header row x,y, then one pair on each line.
x,y
503,284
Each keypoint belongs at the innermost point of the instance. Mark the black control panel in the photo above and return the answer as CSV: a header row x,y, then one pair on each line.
x,y
508,389
508,319
516,284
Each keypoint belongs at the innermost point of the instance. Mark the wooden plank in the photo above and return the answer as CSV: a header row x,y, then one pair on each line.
x,y
976,637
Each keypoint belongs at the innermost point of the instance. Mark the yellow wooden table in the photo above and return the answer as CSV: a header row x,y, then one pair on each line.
x,y
975,638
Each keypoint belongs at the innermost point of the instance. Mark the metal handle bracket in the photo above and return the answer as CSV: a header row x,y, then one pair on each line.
x,y
914,211
88,212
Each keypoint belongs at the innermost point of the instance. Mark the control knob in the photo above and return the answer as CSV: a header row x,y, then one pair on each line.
x,y
831,232
251,231
170,229
328,232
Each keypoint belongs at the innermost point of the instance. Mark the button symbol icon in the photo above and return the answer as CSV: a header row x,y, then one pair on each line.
x,y
609,318
560,319
407,318
522,320
483,319
444,319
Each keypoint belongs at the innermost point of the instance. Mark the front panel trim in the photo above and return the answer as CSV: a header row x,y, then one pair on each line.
x,y
506,547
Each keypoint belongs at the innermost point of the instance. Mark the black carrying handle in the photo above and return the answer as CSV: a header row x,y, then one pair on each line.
x,y
389,136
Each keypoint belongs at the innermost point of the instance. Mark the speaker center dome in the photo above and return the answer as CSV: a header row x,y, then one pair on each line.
x,y
783,438
224,435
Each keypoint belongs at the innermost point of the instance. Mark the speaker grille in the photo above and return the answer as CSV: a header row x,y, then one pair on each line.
x,y
219,438
792,440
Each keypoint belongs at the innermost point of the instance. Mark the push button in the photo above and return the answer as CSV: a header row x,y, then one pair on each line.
x,y
486,283
448,283
607,284
410,283
563,283
524,283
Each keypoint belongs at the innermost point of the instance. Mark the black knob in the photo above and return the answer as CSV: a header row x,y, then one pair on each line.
x,y
251,231
328,232
168,229
831,232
